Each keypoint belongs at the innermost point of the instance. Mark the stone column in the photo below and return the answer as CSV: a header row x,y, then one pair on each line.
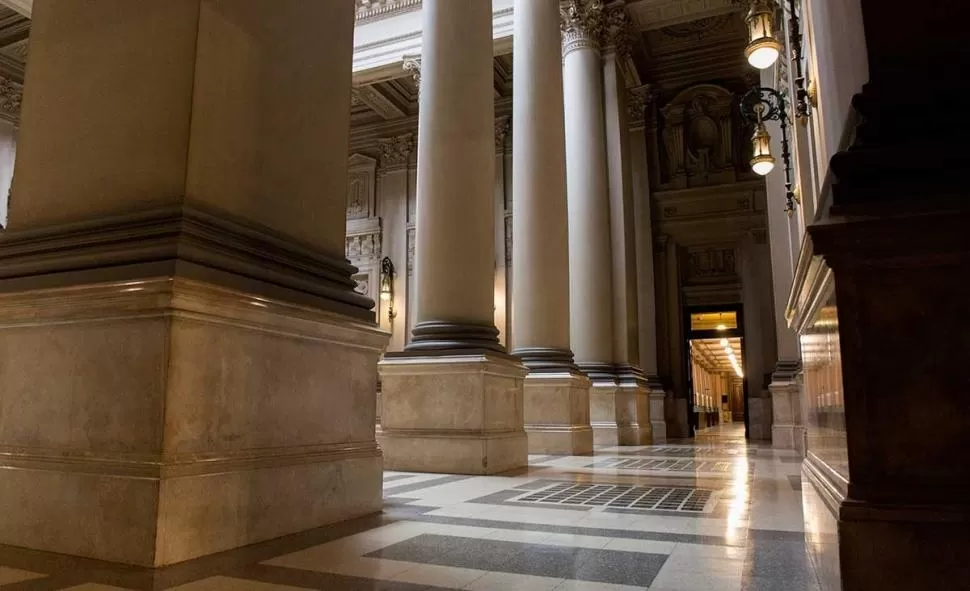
x,y
759,341
639,100
787,428
452,401
395,157
590,253
193,372
632,383
556,393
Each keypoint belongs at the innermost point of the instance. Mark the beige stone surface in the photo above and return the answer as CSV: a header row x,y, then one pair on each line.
x,y
615,412
460,414
557,414
658,425
155,424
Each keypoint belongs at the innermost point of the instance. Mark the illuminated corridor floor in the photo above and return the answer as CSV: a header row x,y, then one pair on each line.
x,y
714,514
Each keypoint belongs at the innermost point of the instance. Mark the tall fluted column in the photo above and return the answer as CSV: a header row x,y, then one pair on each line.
x,y
556,393
587,189
640,99
626,330
452,402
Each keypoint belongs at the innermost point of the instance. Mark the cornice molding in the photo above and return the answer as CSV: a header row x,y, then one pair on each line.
x,y
582,25
412,65
187,241
370,10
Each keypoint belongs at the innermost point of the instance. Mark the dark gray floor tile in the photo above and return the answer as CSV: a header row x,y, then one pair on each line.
x,y
395,477
603,566
778,560
775,535
796,481
766,584
621,568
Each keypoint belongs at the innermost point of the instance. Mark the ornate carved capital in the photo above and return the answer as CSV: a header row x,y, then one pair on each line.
x,y
617,36
582,25
639,99
11,94
412,65
502,127
395,151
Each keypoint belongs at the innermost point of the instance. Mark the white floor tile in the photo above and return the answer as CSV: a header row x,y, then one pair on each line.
x,y
216,584
440,576
513,582
572,585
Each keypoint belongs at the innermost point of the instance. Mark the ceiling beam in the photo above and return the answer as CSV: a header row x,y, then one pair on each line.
x,y
380,104
24,7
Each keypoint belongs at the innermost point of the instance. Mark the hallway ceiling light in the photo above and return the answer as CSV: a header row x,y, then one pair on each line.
x,y
763,49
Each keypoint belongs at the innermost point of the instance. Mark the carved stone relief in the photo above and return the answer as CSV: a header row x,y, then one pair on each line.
x,y
11,94
508,240
697,137
410,251
395,151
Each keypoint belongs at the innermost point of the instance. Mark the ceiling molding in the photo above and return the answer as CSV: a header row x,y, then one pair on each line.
x,y
657,14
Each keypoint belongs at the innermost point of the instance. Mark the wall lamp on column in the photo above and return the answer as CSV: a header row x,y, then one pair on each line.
x,y
387,287
762,104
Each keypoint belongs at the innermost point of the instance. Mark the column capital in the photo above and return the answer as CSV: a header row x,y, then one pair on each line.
x,y
639,98
503,125
412,65
616,32
395,151
581,25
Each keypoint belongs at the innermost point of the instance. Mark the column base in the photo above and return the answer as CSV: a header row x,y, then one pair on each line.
x,y
184,446
759,419
452,412
787,428
557,413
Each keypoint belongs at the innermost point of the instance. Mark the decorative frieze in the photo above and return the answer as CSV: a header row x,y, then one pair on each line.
x,y
711,263
375,9
363,246
582,25
395,151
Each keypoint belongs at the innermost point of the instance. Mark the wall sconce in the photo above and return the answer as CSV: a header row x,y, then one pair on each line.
x,y
763,49
762,104
387,287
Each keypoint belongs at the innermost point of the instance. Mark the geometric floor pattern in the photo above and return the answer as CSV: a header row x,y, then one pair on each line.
x,y
626,497
721,514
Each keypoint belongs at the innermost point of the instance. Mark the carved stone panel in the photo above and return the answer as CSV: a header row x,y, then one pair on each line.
x,y
410,251
706,264
361,201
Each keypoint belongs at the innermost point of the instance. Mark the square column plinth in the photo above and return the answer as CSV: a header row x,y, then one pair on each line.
x,y
658,425
557,413
616,410
454,413
154,421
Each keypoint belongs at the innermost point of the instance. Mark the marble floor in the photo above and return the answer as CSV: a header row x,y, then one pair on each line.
x,y
712,514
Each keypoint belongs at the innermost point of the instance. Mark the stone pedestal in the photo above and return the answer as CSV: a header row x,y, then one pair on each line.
x,y
557,413
787,428
658,425
459,414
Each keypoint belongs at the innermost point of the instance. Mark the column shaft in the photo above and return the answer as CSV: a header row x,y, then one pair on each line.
x,y
556,394
452,402
455,243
